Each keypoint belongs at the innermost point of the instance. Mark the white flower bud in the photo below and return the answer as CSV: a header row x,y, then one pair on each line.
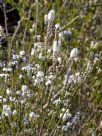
x,y
57,26
24,88
51,15
32,115
59,60
14,112
22,53
56,46
32,51
40,56
49,82
4,100
16,57
8,91
74,53
11,99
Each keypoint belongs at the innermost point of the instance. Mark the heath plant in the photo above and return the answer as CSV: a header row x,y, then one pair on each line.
x,y
50,68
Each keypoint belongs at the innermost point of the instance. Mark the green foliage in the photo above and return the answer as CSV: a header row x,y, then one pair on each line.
x,y
80,101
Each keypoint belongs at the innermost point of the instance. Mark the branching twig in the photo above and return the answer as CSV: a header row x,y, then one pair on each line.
x,y
64,27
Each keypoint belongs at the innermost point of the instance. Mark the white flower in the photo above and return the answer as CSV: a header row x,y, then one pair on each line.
x,y
4,107
29,95
7,69
38,37
32,51
22,53
20,76
76,117
89,67
74,53
11,99
59,60
96,60
66,116
51,76
39,78
24,59
64,128
14,112
9,91
51,15
39,48
70,79
92,132
6,111
77,78
40,56
48,51
4,69
18,92
48,82
37,66
4,100
31,30
57,26
56,46
24,88
37,82
15,57
40,75
101,123
23,101
65,80
2,75
56,102
69,124
32,115
45,19
26,68
13,63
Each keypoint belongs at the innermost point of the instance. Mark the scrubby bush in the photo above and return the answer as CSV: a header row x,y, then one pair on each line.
x,y
51,68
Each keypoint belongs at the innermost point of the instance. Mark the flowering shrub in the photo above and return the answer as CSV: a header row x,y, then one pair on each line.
x,y
51,70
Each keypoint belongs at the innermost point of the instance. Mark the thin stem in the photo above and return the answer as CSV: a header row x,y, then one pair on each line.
x,y
64,27
5,17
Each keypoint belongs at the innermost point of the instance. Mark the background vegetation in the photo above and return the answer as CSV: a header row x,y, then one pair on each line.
x,y
46,92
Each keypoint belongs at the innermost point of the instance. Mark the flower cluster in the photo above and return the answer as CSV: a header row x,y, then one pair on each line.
x,y
51,82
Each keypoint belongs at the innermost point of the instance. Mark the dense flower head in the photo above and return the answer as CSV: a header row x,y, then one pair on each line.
x,y
50,70
74,53
51,15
